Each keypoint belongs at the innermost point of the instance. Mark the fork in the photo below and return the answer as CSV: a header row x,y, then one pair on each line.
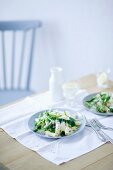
x,y
98,131
98,128
102,126
100,135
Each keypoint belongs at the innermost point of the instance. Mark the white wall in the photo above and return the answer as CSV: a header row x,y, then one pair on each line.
x,y
76,35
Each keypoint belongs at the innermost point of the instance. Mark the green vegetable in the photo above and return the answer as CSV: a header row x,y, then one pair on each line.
x,y
71,121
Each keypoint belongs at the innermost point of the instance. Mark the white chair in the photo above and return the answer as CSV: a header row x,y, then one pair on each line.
x,y
8,95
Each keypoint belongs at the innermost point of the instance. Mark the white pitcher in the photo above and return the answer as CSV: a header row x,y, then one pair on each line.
x,y
55,84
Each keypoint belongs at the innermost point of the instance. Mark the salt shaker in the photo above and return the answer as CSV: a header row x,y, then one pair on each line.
x,y
55,84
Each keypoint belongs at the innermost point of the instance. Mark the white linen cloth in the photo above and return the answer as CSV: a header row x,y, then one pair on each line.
x,y
14,121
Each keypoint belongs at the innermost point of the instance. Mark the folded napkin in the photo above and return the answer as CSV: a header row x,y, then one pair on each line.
x,y
14,120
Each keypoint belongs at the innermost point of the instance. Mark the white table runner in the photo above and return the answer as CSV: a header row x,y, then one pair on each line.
x,y
14,120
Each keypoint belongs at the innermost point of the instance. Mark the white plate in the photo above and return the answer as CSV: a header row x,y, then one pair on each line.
x,y
79,116
94,111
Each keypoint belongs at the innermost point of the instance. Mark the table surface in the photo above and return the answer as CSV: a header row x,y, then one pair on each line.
x,y
15,156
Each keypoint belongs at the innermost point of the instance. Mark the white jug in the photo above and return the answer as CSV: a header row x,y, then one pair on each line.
x,y
55,84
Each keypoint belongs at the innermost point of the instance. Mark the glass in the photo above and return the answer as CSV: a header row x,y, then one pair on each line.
x,y
103,79
70,89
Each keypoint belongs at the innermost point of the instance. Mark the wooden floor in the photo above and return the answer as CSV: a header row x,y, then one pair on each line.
x,y
15,156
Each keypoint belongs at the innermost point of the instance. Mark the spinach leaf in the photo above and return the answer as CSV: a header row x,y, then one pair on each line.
x,y
71,121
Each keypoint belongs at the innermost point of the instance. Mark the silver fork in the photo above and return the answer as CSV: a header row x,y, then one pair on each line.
x,y
102,126
99,134
98,131
108,138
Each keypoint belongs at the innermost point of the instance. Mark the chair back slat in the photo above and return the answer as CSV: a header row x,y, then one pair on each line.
x,y
13,60
4,61
30,59
21,59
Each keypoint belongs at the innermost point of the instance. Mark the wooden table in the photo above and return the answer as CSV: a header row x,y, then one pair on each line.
x,y
15,156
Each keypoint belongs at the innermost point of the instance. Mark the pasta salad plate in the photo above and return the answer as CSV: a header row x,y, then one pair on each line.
x,y
99,103
56,123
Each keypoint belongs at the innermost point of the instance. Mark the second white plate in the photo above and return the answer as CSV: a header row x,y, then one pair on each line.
x,y
89,97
